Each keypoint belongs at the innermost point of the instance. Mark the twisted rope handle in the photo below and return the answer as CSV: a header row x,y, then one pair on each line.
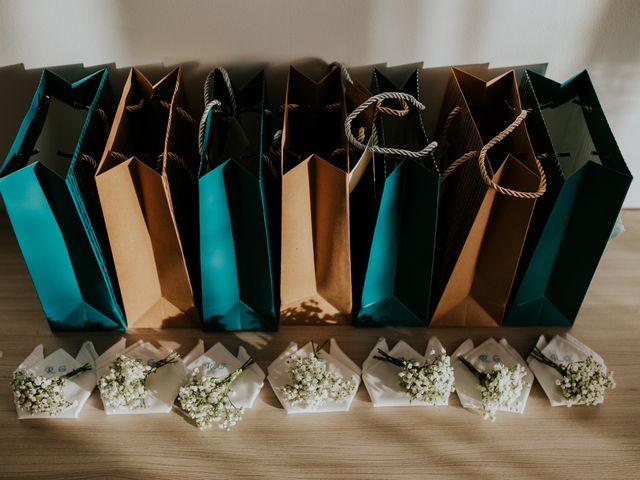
x,y
214,104
208,90
444,144
343,71
379,98
179,110
482,163
178,161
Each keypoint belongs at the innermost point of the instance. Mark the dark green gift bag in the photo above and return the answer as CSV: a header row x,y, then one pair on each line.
x,y
589,180
235,248
47,183
397,282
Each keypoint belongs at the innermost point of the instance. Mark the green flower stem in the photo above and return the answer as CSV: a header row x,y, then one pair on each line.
x,y
236,373
316,350
541,357
173,357
481,375
84,368
388,358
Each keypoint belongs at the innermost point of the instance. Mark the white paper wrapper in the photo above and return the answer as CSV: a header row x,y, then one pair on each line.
x,y
381,378
76,389
484,357
162,386
337,362
219,362
561,349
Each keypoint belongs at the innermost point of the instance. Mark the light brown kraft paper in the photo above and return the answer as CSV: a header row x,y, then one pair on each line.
x,y
136,203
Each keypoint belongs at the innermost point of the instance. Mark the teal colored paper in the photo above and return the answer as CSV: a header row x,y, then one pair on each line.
x,y
589,197
397,283
55,213
235,247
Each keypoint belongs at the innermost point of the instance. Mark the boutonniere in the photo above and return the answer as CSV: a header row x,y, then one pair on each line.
x,y
499,388
426,382
219,386
311,383
569,372
124,385
55,386
491,377
312,379
37,394
582,382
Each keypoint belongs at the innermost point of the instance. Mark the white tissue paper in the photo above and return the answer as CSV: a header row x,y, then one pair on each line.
x,y
381,378
337,362
484,357
162,386
219,362
561,349
77,389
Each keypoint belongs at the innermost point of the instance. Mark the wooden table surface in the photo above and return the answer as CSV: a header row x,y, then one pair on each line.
x,y
367,442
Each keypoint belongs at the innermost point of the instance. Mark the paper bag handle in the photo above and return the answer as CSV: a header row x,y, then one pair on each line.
x,y
484,167
378,99
213,104
482,159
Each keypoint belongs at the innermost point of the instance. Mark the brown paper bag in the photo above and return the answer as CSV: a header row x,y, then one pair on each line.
x,y
484,216
315,284
147,186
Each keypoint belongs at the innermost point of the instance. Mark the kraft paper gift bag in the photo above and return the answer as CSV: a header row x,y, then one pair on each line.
x,y
492,180
315,277
48,187
383,382
162,386
589,180
397,282
337,362
235,174
483,358
147,182
76,389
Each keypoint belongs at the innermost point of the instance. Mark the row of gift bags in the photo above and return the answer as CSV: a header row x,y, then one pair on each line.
x,y
158,219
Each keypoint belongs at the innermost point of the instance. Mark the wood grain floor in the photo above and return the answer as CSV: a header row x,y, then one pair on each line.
x,y
364,443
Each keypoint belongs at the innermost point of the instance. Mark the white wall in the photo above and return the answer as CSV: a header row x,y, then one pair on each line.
x,y
601,35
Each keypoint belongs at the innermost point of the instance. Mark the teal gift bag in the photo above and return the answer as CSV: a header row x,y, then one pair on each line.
x,y
48,187
234,182
588,181
397,281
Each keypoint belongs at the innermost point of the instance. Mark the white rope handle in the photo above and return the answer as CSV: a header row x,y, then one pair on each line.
x,y
378,99
343,70
214,104
208,87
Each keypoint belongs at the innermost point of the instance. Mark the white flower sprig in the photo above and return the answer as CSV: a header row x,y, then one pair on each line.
x,y
124,385
312,384
428,382
36,394
499,388
206,399
582,383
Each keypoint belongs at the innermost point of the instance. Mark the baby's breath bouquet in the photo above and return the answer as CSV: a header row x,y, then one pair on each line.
x,y
499,388
428,382
582,383
312,384
36,394
206,399
124,384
